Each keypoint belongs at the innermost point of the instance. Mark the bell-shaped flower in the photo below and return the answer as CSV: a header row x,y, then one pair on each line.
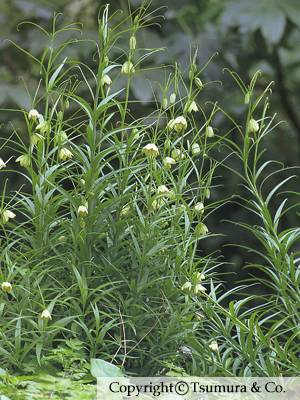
x,y
201,229
105,80
209,132
186,287
177,154
34,115
168,161
6,215
198,288
82,211
44,127
24,160
46,315
65,153
127,68
199,208
196,149
179,123
6,287
150,150
189,107
35,138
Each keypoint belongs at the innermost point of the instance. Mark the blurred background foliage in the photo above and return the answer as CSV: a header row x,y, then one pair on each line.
x,y
240,35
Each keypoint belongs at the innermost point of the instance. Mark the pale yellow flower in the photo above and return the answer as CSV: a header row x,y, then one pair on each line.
x,y
162,189
60,137
125,211
199,289
44,127
64,154
46,315
186,287
150,150
177,154
6,287
24,160
214,346
35,138
105,80
6,215
177,124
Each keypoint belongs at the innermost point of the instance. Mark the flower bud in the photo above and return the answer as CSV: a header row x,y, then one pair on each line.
x,y
67,104
164,103
247,98
209,132
214,346
198,83
46,315
253,125
62,239
125,211
186,287
172,98
127,68
136,21
106,60
132,42
195,149
207,193
6,287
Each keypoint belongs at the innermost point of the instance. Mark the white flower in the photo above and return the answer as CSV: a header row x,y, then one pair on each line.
x,y
45,315
189,107
198,82
6,215
125,211
162,189
2,163
177,124
172,98
214,346
176,154
168,161
150,150
201,229
34,115
44,127
127,68
35,138
199,208
82,211
6,287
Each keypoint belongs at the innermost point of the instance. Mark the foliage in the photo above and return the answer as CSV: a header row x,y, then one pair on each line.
x,y
101,249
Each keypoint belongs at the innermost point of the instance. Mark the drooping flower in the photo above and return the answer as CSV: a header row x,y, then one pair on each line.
x,y
195,149
105,80
150,150
201,229
82,211
6,215
24,160
214,346
186,287
164,103
46,315
209,132
35,138
200,277
60,137
44,127
125,211
6,287
199,289
199,208
253,125
64,154
34,115
172,98
162,189
177,154
168,161
127,68
189,107
2,163
177,124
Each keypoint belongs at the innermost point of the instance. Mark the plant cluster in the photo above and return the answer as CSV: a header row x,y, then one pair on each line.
x,y
100,250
